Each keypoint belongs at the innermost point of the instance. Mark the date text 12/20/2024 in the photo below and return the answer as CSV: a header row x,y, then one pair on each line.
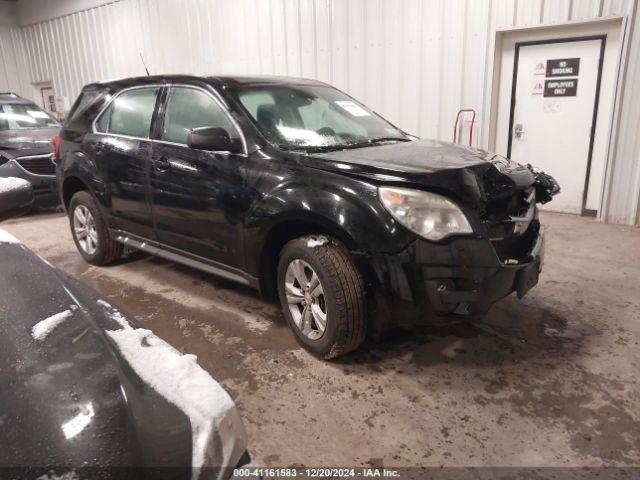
x,y
315,472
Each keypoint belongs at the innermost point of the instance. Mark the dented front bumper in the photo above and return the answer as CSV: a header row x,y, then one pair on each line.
x,y
463,276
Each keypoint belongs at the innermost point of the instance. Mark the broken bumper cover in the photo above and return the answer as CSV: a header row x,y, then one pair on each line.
x,y
464,276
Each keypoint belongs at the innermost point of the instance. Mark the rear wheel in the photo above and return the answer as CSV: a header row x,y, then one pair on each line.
x,y
322,295
90,233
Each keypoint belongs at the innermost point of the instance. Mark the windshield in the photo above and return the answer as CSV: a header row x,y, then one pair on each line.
x,y
314,117
20,116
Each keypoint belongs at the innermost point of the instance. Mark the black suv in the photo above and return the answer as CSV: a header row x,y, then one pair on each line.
x,y
26,151
293,187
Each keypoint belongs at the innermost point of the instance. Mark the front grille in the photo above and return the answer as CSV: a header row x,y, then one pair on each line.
x,y
38,164
509,215
515,249
504,207
512,225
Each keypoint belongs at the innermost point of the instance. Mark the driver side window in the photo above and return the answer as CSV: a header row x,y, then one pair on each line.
x,y
189,108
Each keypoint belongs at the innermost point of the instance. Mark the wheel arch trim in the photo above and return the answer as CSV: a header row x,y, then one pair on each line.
x,y
289,226
68,188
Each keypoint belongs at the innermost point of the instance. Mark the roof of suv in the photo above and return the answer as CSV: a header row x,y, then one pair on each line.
x,y
221,80
10,97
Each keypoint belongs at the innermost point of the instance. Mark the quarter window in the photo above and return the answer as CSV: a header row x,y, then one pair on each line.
x,y
189,108
82,102
130,113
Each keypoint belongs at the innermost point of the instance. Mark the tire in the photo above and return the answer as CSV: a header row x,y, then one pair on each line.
x,y
342,300
105,250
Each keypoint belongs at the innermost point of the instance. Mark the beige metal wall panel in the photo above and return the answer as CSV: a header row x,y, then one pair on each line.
x,y
414,61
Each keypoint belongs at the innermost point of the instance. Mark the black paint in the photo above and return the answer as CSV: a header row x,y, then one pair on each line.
x,y
234,212
77,370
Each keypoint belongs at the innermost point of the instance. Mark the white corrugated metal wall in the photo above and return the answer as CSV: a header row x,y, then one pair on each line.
x,y
414,61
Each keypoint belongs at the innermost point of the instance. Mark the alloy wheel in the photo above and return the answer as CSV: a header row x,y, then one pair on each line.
x,y
306,299
84,227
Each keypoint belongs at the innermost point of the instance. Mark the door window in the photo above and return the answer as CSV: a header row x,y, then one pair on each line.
x,y
130,113
189,108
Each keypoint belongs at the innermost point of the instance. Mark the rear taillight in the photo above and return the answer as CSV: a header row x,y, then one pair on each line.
x,y
56,147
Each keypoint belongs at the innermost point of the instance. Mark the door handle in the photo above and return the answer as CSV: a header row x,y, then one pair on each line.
x,y
518,131
182,165
161,164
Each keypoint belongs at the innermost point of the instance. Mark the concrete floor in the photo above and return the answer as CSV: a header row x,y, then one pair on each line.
x,y
551,380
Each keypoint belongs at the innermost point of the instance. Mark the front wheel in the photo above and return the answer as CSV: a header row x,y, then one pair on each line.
x,y
322,295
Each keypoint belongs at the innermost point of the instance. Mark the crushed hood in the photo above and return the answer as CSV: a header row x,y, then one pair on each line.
x,y
464,172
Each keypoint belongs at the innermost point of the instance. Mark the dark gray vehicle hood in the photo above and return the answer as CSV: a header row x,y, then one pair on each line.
x,y
23,142
419,156
465,172
74,396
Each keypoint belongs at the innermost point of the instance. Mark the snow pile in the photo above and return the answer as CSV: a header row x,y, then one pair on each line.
x,y
114,314
178,378
43,328
6,237
11,183
71,475
317,241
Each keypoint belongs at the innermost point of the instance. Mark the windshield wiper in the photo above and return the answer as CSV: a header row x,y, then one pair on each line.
x,y
321,148
388,139
341,146
373,141
344,146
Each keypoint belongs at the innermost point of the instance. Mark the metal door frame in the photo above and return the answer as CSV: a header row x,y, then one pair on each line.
x,y
514,85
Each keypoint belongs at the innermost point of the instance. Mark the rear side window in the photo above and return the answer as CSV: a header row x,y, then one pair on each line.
x,y
130,113
83,101
188,108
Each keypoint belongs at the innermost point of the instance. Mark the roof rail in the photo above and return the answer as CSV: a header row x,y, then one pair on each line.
x,y
10,93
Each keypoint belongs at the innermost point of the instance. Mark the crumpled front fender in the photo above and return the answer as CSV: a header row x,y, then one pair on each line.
x,y
546,186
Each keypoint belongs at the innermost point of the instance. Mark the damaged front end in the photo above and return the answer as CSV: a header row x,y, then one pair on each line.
x,y
545,185
466,274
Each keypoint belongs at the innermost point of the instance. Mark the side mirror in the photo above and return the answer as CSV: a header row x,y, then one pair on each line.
x,y
212,138
16,197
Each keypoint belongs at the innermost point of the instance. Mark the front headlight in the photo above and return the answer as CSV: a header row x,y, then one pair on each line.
x,y
430,215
